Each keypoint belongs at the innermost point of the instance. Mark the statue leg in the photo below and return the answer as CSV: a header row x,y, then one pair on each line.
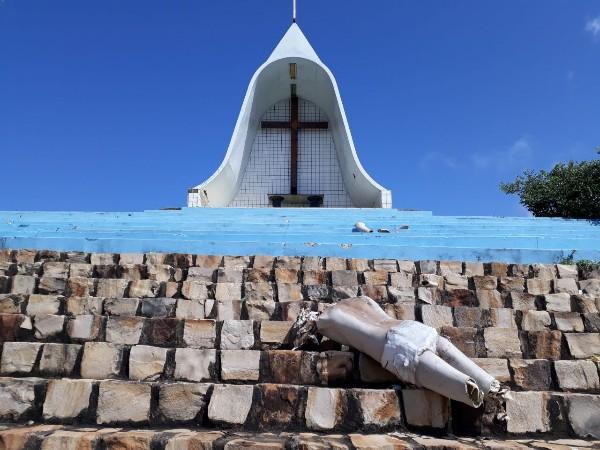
x,y
457,359
437,375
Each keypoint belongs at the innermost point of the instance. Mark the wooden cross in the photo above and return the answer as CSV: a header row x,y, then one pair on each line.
x,y
294,125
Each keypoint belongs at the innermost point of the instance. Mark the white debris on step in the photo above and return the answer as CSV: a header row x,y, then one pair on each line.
x,y
360,226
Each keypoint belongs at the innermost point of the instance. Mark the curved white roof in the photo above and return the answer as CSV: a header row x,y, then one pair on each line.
x,y
270,84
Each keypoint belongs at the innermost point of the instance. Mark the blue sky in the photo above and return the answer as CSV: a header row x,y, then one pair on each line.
x,y
123,105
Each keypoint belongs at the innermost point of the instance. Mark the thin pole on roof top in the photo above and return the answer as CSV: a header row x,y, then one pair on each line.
x,y
294,11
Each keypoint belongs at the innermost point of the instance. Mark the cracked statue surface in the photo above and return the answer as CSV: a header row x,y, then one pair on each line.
x,y
414,352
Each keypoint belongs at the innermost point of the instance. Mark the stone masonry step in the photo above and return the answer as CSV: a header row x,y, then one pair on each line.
x,y
104,360
54,437
202,341
280,407
159,285
504,334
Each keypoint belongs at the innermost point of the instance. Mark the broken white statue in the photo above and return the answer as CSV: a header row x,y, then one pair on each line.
x,y
360,226
414,352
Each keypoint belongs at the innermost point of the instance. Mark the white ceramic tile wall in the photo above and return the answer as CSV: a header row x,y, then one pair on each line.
x,y
268,168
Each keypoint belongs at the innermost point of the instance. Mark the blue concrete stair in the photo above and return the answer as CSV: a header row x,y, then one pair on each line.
x,y
305,232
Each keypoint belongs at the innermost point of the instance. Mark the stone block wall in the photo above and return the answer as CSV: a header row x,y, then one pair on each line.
x,y
157,341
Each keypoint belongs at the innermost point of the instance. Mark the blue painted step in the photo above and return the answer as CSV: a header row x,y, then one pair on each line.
x,y
322,232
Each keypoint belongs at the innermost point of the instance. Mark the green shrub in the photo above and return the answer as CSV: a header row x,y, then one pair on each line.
x,y
570,190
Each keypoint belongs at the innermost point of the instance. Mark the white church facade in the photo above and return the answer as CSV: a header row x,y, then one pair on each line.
x,y
291,145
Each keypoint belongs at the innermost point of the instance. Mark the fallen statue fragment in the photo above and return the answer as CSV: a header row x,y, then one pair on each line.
x,y
414,352
361,227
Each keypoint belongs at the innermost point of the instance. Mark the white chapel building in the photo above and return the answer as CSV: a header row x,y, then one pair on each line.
x,y
291,145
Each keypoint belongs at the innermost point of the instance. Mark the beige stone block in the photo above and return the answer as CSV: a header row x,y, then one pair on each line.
x,y
199,333
289,292
558,302
401,279
81,270
567,271
254,292
379,408
257,275
263,262
489,298
240,262
162,273
194,364
225,310
43,304
17,398
112,287
124,329
208,261
531,374
473,269
132,271
146,363
535,320
583,415
67,399
182,402
431,280
172,289
324,408
237,335
228,291
450,267
377,441
424,408
527,413
502,342
385,264
189,440
334,263
100,259
120,401
72,440
240,365
522,301
274,332
59,359
568,322
101,360
577,375
286,275
437,316
23,284
19,357
455,281
84,305
260,310
502,318
144,288
121,306
496,367
85,327
48,325
194,290
80,286
485,282
131,258
583,345
230,404
566,285
539,286
189,309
